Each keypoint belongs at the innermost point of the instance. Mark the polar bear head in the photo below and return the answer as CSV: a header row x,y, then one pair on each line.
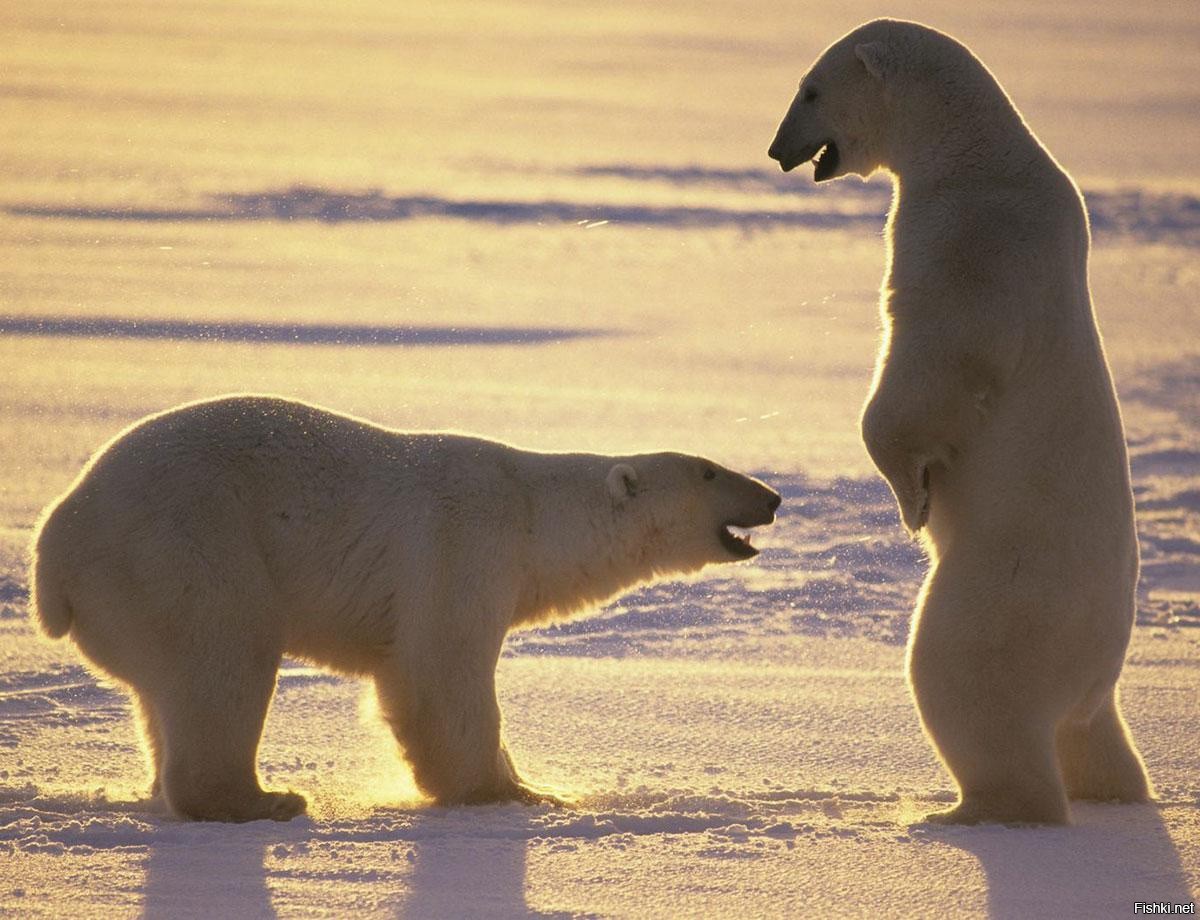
x,y
880,94
687,510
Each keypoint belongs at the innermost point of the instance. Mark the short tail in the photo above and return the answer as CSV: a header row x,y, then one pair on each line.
x,y
48,601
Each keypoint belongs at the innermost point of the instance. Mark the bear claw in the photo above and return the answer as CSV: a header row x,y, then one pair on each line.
x,y
286,805
528,795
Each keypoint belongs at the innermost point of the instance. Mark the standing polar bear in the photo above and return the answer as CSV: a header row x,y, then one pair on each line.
x,y
203,544
993,417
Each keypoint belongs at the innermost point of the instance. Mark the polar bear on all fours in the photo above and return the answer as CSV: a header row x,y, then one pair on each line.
x,y
994,419
203,544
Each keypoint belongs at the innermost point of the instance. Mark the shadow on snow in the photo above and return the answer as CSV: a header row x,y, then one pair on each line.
x,y
283,333
326,206
1132,212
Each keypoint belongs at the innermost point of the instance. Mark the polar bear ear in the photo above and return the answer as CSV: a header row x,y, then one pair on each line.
x,y
874,57
622,483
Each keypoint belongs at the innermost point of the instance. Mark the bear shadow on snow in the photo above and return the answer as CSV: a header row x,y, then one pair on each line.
x,y
179,875
460,874
1110,858
215,878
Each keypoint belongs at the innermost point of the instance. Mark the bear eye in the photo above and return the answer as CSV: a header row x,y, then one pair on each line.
x,y
810,95
710,473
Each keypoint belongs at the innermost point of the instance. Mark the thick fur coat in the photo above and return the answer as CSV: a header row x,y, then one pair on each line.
x,y
994,419
203,544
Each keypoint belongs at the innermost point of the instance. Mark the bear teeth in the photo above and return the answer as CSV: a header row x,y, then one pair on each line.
x,y
737,541
825,163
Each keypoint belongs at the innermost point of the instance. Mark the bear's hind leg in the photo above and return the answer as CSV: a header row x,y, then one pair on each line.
x,y
980,703
993,740
152,739
211,725
1098,759
1003,779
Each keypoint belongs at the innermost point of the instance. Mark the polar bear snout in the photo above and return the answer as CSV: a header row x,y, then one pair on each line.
x,y
760,504
774,502
789,154
802,137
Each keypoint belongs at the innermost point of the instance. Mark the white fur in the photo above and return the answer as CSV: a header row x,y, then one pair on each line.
x,y
201,545
994,419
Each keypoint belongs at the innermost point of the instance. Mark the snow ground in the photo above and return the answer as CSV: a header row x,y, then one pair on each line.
x,y
522,219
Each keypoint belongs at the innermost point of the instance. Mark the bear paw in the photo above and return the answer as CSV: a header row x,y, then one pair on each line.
x,y
531,795
519,792
283,806
1008,813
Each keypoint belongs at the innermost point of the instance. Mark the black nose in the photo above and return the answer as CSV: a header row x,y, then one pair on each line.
x,y
775,502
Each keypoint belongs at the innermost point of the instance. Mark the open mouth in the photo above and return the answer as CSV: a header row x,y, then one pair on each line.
x,y
824,155
736,541
826,161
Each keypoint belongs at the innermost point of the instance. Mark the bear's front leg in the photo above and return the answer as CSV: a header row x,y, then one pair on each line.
x,y
893,445
921,416
448,724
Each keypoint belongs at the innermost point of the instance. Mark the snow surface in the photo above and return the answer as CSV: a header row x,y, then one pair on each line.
x,y
554,223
